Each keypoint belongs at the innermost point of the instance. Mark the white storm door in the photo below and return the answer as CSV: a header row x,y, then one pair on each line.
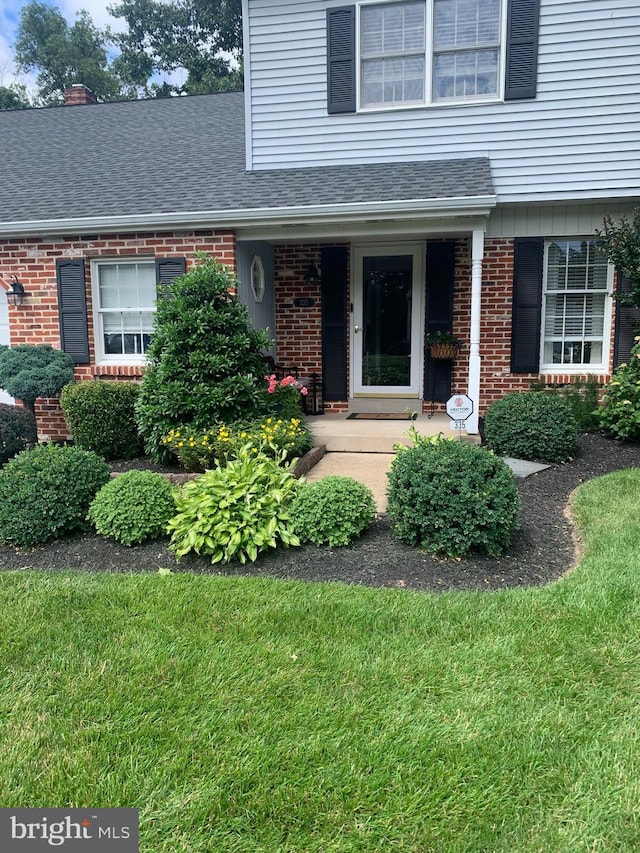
x,y
386,330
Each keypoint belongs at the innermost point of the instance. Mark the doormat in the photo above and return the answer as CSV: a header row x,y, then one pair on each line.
x,y
380,416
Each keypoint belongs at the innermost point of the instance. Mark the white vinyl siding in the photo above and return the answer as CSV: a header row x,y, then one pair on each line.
x,y
125,302
578,139
575,312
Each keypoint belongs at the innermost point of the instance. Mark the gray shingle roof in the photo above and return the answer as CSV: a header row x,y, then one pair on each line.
x,y
184,155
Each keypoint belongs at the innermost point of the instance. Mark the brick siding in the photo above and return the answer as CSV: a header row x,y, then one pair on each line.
x,y
33,260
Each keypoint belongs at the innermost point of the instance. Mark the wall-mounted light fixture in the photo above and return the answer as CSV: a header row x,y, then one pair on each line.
x,y
16,295
312,275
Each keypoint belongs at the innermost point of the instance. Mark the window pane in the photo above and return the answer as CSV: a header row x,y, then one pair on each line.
x,y
392,29
124,286
574,318
464,23
393,80
465,74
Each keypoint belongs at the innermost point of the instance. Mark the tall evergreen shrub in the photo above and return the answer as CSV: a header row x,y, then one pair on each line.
x,y
205,362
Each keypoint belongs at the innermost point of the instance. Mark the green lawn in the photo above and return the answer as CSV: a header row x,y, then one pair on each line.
x,y
257,715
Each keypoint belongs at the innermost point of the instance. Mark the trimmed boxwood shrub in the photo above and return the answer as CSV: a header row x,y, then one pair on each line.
x,y
532,425
101,417
133,507
452,498
333,511
17,430
45,493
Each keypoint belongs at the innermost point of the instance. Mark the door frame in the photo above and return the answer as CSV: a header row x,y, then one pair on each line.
x,y
358,253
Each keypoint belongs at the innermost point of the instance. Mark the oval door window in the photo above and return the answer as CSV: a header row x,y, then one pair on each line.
x,y
257,278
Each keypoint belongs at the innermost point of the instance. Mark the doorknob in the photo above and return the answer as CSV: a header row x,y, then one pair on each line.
x,y
357,329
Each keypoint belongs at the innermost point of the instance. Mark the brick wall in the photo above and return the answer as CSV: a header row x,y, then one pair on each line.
x,y
33,260
299,330
496,378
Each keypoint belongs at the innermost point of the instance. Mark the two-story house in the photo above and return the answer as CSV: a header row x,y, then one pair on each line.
x,y
393,169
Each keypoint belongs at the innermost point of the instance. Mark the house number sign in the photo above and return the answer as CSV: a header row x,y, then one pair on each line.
x,y
304,302
459,408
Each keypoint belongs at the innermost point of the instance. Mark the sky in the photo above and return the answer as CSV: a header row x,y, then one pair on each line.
x,y
9,16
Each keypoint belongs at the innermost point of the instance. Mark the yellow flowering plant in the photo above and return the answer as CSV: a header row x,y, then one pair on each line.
x,y
202,450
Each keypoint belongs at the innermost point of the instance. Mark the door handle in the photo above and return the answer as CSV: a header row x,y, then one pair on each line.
x,y
357,329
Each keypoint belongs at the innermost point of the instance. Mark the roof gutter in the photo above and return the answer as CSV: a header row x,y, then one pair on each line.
x,y
359,212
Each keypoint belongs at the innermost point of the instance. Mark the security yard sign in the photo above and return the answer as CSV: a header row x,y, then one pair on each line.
x,y
459,408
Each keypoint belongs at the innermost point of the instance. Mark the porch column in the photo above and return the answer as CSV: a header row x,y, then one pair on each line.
x,y
477,254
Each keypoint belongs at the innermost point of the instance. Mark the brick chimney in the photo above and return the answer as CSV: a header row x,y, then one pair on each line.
x,y
79,94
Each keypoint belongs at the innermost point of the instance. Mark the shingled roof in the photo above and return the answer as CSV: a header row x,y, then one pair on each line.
x,y
184,155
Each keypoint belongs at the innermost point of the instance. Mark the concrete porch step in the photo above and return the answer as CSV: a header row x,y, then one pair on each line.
x,y
340,435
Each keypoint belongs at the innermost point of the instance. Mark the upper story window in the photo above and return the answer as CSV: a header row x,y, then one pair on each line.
x,y
576,306
428,51
125,302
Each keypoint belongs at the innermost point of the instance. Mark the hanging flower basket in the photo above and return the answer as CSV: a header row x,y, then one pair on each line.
x,y
444,352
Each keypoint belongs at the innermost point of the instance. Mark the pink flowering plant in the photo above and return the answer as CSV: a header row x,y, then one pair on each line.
x,y
619,414
285,396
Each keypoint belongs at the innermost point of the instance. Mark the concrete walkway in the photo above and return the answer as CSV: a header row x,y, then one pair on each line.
x,y
368,468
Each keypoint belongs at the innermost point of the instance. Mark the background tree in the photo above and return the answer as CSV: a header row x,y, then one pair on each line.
x,y
63,54
203,37
620,242
14,97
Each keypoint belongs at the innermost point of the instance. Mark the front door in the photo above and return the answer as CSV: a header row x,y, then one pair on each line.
x,y
387,321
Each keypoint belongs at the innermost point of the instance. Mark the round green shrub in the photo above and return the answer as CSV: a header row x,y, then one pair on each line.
x,y
17,431
619,414
45,493
532,425
452,498
133,507
101,417
332,511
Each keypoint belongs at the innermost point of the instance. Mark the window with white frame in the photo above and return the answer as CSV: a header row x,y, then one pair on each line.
x,y
125,302
425,51
576,306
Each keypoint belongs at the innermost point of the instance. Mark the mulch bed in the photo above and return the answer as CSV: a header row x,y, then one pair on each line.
x,y
541,551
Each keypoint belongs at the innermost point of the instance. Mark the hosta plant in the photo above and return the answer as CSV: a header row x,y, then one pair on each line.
x,y
237,511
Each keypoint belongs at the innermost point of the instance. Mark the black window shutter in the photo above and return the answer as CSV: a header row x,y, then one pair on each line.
x,y
522,49
528,261
627,325
72,309
341,60
334,271
169,268
439,316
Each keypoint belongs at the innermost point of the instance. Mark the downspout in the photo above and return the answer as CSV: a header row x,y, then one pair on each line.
x,y
473,386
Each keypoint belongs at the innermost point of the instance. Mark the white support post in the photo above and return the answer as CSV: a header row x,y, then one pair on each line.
x,y
477,254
